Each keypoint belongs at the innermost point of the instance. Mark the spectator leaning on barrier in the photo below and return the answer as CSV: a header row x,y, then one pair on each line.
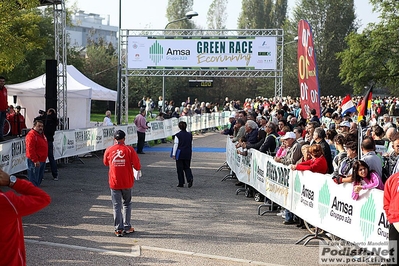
x,y
319,138
251,132
239,130
363,179
317,163
293,149
107,119
370,157
271,141
293,154
344,172
13,207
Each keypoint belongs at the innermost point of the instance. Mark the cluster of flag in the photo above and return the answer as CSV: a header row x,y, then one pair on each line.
x,y
362,108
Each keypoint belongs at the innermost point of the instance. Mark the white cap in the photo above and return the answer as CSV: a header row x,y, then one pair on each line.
x,y
289,135
345,124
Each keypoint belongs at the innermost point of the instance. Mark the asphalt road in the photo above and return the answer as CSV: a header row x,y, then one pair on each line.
x,y
207,224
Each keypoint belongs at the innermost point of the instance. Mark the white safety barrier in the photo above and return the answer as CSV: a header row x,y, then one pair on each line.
x,y
315,198
74,142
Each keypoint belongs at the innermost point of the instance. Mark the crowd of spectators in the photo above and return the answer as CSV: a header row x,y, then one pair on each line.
x,y
363,153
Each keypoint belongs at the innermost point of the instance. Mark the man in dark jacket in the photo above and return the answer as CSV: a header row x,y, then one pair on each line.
x,y
182,152
50,122
270,144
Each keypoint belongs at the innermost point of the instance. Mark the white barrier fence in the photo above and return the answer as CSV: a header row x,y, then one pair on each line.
x,y
69,143
315,198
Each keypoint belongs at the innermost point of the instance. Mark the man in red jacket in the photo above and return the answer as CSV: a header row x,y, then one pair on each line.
x,y
13,207
3,105
121,160
36,152
391,207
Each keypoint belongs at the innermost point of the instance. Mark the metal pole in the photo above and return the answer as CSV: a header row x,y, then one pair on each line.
x,y
163,72
119,74
163,90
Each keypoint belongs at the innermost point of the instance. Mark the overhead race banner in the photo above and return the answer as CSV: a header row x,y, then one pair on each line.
x,y
199,52
307,71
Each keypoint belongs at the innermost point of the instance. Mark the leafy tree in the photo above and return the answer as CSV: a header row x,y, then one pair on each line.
x,y
252,15
216,17
19,32
372,56
331,22
268,15
177,9
101,65
280,13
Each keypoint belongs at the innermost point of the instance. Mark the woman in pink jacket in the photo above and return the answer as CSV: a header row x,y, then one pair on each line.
x,y
363,178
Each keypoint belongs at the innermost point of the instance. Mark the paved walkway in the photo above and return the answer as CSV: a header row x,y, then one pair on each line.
x,y
207,224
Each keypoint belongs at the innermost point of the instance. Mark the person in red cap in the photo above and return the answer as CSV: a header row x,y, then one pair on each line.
x,y
121,160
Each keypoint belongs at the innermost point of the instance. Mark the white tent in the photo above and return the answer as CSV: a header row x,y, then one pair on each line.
x,y
80,91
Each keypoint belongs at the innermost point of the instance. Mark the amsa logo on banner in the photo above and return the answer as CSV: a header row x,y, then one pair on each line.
x,y
250,53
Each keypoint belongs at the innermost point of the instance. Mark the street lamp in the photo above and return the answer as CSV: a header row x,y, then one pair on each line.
x,y
189,15
295,40
119,74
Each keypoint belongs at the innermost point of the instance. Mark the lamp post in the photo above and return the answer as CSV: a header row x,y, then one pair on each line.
x,y
189,15
119,74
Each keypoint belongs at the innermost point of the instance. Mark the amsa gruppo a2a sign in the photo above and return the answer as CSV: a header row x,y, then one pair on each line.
x,y
196,53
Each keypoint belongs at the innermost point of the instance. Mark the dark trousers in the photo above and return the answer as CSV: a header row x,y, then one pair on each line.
x,y
2,120
393,243
183,167
53,163
140,141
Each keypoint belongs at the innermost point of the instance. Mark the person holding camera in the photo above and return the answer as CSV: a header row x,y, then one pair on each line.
x,y
50,123
141,123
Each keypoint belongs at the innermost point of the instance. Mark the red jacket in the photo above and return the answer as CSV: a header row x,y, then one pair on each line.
x,y
36,146
391,198
121,160
12,208
316,165
3,100
17,122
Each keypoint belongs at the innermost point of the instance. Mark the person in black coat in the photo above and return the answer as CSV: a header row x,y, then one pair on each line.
x,y
182,153
50,122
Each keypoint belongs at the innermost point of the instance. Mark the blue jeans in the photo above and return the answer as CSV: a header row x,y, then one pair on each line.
x,y
53,163
2,119
122,209
35,174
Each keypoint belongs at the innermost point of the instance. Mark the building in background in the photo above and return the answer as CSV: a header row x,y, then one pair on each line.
x,y
89,26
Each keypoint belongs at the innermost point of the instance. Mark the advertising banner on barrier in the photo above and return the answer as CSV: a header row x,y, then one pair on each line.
x,y
315,198
198,52
69,143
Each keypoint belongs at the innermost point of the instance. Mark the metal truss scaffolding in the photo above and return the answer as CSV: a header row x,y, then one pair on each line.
x,y
61,57
277,74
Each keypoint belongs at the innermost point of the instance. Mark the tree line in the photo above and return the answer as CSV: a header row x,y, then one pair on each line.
x,y
347,59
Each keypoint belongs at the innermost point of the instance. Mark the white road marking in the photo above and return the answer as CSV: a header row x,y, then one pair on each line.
x,y
136,252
